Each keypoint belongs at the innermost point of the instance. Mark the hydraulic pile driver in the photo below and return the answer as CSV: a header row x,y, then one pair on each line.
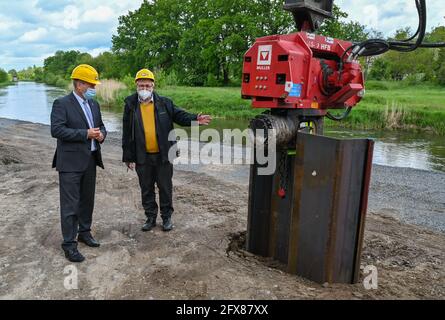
x,y
310,213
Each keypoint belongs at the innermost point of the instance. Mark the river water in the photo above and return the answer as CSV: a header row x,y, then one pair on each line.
x,y
32,102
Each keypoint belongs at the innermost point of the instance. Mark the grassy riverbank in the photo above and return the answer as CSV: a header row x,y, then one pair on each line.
x,y
223,103
390,105
387,105
5,84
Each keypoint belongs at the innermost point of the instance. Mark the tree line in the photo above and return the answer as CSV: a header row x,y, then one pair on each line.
x,y
202,43
4,78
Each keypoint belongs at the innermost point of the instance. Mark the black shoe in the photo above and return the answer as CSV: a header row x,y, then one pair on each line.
x,y
74,256
149,224
167,224
88,240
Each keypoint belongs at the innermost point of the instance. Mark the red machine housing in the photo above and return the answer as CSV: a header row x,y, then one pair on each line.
x,y
301,71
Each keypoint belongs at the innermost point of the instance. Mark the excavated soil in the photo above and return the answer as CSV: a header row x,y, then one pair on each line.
x,y
204,256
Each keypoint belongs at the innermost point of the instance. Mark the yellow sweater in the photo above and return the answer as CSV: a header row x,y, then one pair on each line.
x,y
148,118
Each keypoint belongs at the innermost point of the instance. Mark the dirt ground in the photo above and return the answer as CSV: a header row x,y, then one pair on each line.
x,y
198,260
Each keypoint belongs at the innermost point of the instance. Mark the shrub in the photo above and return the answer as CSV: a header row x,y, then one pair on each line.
x,y
164,79
414,79
212,81
160,77
3,76
441,75
172,79
376,85
61,83
379,70
107,91
128,81
235,82
50,78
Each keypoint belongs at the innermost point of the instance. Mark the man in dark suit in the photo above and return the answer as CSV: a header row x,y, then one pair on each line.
x,y
147,122
76,122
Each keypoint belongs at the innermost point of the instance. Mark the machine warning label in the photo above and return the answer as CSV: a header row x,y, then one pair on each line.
x,y
264,55
296,90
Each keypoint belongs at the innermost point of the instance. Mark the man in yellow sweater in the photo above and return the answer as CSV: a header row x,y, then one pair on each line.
x,y
147,121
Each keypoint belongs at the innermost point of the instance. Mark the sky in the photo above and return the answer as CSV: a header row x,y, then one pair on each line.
x,y
32,30
389,15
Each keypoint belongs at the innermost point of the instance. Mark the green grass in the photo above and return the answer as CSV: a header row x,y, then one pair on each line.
x,y
390,105
387,105
223,103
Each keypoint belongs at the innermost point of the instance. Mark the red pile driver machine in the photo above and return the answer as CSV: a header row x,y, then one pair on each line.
x,y
310,213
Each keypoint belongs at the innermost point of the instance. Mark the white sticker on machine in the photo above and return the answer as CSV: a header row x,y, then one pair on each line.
x,y
310,36
264,55
288,86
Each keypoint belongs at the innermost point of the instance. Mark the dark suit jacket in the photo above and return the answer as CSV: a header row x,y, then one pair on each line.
x,y
133,136
70,127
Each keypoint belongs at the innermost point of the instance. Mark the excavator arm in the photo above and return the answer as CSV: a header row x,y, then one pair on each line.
x,y
309,14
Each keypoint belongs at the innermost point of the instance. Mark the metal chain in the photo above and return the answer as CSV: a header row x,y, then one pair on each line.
x,y
282,169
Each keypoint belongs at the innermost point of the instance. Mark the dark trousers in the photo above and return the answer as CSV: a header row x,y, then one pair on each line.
x,y
77,191
154,171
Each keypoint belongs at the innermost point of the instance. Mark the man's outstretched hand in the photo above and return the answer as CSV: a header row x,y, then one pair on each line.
x,y
204,119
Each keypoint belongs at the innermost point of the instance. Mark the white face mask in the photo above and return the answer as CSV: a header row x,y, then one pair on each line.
x,y
145,94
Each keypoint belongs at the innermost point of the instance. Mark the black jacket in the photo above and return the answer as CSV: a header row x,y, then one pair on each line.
x,y
133,136
69,125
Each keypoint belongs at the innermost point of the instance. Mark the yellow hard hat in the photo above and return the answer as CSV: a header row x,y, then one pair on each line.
x,y
144,74
86,73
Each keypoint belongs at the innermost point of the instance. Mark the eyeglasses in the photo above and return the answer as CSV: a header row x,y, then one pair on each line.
x,y
146,86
